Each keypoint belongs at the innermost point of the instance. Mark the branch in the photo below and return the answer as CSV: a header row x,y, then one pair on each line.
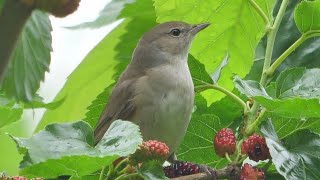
x,y
271,40
292,48
283,56
232,171
13,16
267,62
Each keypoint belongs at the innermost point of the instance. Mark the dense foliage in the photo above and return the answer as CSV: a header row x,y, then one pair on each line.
x,y
255,70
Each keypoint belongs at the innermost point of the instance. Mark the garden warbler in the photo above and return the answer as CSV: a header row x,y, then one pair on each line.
x,y
156,90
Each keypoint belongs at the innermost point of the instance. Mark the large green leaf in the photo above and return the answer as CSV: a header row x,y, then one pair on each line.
x,y
250,88
286,126
101,67
97,106
307,16
297,156
298,82
30,60
198,73
291,108
235,28
67,149
295,89
197,145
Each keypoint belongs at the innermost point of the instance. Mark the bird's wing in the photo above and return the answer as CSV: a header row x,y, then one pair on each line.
x,y
120,106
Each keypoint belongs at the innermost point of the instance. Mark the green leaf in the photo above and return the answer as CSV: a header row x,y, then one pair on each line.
x,y
286,126
198,73
10,114
298,82
67,149
250,88
295,88
152,170
291,108
307,16
37,102
197,144
206,121
109,14
298,156
274,176
10,111
97,106
30,60
239,34
101,67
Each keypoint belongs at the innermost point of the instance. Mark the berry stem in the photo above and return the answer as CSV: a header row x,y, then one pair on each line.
x,y
121,165
266,166
251,128
110,171
228,157
102,173
238,151
124,170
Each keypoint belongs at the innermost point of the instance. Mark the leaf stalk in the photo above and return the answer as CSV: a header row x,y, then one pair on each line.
x,y
260,12
226,92
267,62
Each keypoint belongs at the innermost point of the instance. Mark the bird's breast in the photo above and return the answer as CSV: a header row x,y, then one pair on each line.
x,y
165,96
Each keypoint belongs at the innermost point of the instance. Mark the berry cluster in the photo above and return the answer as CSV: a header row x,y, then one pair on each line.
x,y
256,148
251,173
181,169
225,142
150,150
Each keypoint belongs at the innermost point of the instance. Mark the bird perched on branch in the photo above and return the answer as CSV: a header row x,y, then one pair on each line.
x,y
156,90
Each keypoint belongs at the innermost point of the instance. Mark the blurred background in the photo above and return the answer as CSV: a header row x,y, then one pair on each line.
x,y
78,42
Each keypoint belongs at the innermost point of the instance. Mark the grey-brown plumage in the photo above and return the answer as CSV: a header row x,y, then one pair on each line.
x,y
156,90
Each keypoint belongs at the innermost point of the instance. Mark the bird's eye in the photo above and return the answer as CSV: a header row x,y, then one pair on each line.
x,y
175,32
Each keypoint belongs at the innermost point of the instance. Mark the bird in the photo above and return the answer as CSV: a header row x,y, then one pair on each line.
x,y
156,90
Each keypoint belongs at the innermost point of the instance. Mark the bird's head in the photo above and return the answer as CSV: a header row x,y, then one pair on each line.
x,y
171,39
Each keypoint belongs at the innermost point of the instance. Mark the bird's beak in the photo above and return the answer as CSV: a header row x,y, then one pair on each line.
x,y
197,28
